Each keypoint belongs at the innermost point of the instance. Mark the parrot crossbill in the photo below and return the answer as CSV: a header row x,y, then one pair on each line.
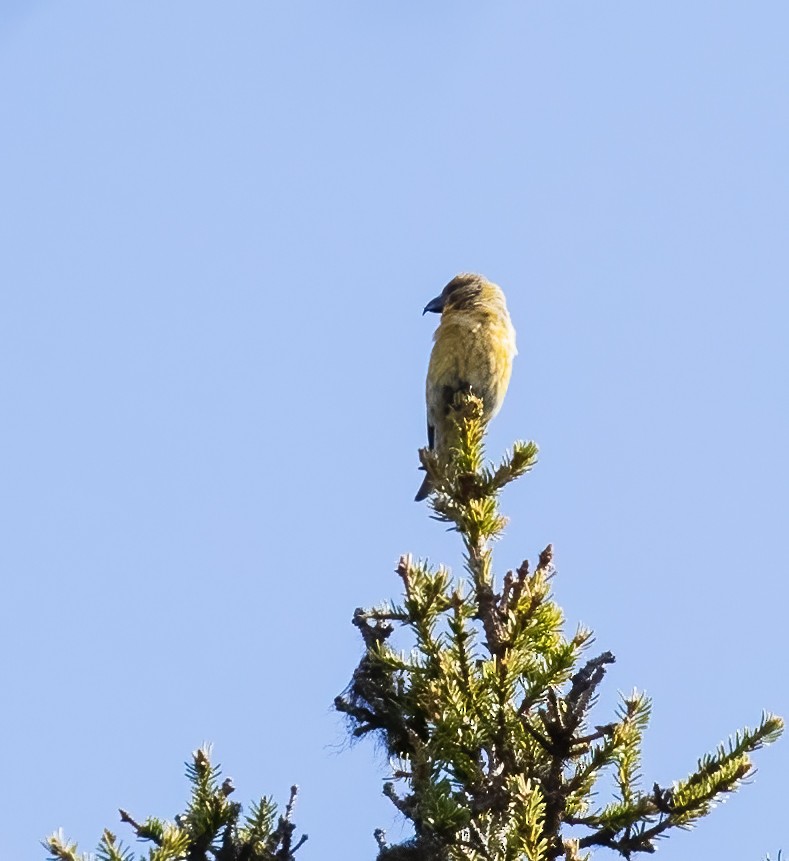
x,y
473,351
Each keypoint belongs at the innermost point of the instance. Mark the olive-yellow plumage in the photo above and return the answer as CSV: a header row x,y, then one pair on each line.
x,y
473,351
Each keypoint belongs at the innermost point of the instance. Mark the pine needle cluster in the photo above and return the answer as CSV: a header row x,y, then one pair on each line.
x,y
486,719
212,828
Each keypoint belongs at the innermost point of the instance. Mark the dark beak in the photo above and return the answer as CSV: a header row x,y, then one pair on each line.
x,y
435,305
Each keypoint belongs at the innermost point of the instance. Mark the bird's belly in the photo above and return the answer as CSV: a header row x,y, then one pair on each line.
x,y
464,360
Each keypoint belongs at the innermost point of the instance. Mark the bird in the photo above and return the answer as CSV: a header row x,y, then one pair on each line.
x,y
473,351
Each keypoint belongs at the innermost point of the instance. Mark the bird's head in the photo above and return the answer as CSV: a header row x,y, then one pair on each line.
x,y
464,292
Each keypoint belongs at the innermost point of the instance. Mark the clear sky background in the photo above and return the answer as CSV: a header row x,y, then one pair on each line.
x,y
219,225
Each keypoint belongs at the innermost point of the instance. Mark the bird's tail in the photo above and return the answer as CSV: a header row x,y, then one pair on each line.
x,y
425,490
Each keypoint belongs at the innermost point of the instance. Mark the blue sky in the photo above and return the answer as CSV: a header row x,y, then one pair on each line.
x,y
220,223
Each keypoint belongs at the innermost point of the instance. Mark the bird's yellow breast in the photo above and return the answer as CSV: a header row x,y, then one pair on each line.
x,y
473,348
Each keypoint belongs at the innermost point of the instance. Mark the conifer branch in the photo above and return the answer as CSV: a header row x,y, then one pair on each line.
x,y
212,827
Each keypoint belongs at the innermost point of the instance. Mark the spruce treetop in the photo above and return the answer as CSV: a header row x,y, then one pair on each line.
x,y
487,718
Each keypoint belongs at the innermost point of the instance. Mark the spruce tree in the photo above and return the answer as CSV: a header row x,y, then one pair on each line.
x,y
211,827
487,716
